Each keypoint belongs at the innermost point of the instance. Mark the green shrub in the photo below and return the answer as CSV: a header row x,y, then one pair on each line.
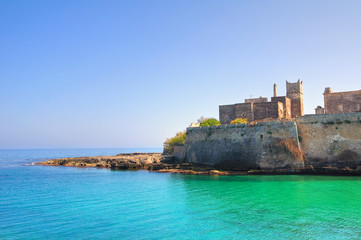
x,y
239,120
210,122
169,144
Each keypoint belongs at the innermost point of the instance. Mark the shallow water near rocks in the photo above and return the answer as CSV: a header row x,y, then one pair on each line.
x,y
45,202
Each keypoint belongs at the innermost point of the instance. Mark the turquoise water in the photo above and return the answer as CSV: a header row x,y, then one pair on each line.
x,y
44,202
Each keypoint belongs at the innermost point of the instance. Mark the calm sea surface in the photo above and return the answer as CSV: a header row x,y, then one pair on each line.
x,y
43,202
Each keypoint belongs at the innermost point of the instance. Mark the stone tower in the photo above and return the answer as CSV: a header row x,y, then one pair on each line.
x,y
295,93
274,90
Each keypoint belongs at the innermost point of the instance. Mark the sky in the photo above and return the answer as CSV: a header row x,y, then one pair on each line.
x,y
107,74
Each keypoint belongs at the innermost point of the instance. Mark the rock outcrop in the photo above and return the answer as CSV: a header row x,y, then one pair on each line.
x,y
120,161
137,161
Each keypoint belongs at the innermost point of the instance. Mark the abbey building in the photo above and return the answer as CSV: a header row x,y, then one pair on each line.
x,y
280,107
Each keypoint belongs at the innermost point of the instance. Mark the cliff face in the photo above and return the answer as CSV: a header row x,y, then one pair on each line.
x,y
269,145
315,141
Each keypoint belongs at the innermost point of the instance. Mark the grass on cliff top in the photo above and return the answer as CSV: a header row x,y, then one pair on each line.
x,y
169,144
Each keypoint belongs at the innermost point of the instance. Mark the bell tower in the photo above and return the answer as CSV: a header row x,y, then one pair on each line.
x,y
295,94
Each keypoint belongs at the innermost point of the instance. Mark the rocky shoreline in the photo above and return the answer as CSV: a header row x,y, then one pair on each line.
x,y
139,161
168,164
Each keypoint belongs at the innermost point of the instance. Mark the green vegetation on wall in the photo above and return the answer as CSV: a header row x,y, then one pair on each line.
x,y
210,122
239,121
169,144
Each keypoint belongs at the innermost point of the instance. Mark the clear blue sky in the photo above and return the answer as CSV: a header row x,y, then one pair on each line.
x,y
131,73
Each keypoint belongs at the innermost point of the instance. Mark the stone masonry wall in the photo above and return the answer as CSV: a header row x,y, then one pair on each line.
x,y
331,139
294,91
256,100
243,147
342,102
312,141
227,113
244,110
268,110
251,111
297,109
294,87
286,105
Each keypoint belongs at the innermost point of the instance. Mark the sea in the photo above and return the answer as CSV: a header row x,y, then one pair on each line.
x,y
49,202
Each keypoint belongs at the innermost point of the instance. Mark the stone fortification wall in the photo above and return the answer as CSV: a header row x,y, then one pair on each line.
x,y
283,107
286,105
327,141
342,102
268,145
177,150
295,93
256,100
244,110
268,110
227,113
296,104
251,111
331,140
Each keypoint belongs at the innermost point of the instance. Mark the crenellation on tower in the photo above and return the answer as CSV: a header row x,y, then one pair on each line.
x,y
296,87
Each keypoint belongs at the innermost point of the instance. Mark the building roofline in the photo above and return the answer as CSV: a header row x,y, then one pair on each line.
x,y
347,92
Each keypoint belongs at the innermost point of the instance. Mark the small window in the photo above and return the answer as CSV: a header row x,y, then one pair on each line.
x,y
261,136
340,108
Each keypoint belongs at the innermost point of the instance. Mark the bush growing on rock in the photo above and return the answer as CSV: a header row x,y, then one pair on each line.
x,y
210,122
169,144
239,120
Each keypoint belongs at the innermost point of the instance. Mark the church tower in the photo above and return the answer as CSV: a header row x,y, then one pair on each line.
x,y
295,94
